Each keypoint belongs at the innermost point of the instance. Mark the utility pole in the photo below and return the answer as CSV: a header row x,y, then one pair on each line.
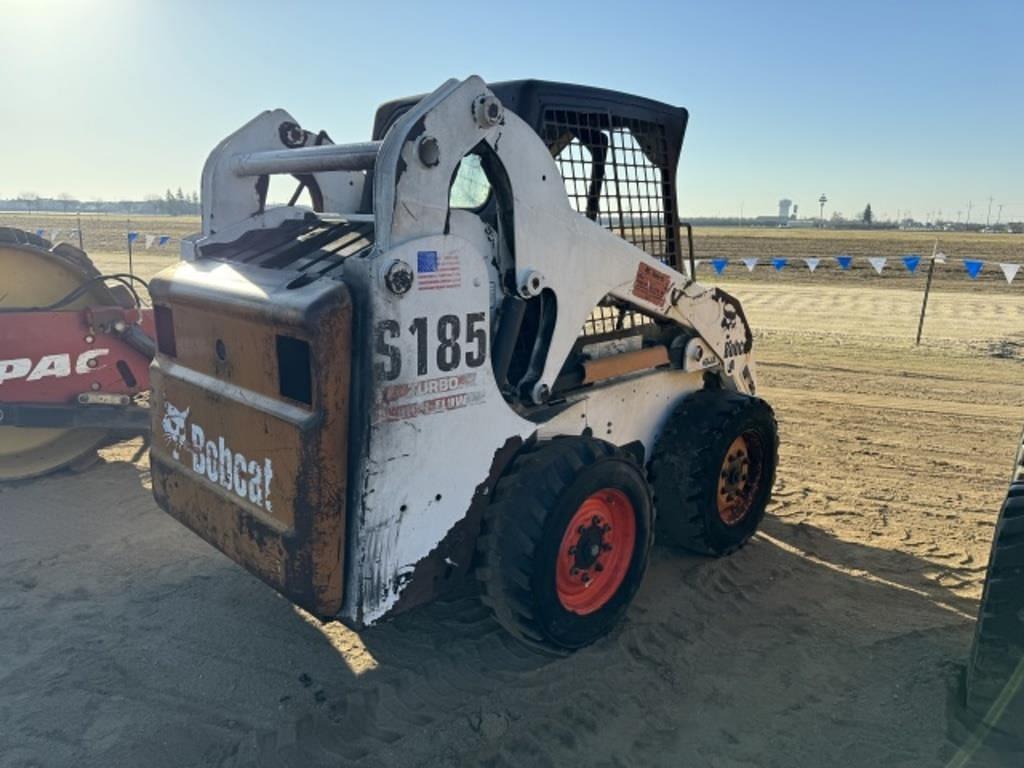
x,y
970,204
821,209
988,219
999,215
128,236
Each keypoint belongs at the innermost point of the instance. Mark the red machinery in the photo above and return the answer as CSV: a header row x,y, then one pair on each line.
x,y
75,348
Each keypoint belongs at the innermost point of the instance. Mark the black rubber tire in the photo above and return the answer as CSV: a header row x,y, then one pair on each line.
x,y
66,251
992,694
522,530
686,462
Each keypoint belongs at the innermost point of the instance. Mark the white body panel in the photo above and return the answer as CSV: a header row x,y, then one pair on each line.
x,y
626,410
433,433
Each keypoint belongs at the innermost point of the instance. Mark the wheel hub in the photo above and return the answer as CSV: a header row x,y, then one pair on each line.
x,y
591,545
596,551
738,479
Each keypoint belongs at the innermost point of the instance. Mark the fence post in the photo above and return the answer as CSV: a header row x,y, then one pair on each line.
x,y
78,218
927,289
128,235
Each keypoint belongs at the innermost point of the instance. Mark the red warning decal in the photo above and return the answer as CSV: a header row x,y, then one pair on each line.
x,y
650,284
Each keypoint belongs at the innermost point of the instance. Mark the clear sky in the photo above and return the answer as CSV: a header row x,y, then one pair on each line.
x,y
908,106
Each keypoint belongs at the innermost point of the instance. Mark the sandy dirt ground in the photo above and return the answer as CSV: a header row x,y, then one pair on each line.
x,y
830,640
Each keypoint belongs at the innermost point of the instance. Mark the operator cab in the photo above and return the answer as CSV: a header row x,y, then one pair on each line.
x,y
617,154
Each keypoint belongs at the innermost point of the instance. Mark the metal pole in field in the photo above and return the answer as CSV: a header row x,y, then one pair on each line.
x,y
927,288
128,234
78,218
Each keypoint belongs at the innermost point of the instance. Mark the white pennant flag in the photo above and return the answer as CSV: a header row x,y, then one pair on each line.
x,y
150,239
1010,271
812,263
53,235
878,262
751,263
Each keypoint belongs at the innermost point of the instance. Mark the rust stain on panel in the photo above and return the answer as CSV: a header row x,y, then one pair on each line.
x,y
257,474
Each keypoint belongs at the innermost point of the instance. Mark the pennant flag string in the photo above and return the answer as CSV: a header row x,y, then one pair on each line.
x,y
911,260
150,239
1009,271
973,267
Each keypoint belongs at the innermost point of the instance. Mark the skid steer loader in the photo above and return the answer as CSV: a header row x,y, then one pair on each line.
x,y
476,348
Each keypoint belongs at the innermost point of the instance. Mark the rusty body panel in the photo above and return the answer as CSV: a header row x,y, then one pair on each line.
x,y
250,433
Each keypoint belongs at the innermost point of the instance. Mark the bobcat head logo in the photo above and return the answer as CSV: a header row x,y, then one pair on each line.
x,y
729,315
174,427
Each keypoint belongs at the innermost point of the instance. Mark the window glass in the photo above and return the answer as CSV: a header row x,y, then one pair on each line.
x,y
471,189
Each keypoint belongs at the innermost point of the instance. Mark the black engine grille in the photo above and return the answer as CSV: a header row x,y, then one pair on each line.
x,y
315,246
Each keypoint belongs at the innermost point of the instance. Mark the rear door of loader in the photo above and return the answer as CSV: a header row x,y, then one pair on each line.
x,y
250,420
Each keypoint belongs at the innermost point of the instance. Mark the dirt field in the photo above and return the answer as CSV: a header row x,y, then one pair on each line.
x,y
829,640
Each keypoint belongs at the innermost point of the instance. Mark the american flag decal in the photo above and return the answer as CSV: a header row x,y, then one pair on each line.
x,y
435,271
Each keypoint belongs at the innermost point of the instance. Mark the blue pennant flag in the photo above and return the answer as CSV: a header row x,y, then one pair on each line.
x,y
163,239
719,265
844,261
132,236
973,267
911,260
779,263
40,232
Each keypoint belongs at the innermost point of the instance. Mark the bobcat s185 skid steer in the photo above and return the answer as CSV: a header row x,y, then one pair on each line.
x,y
476,349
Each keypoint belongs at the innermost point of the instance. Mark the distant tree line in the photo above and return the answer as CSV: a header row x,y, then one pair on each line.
x,y
169,204
176,204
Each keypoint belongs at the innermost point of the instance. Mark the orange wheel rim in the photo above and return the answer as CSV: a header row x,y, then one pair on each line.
x,y
596,551
739,479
